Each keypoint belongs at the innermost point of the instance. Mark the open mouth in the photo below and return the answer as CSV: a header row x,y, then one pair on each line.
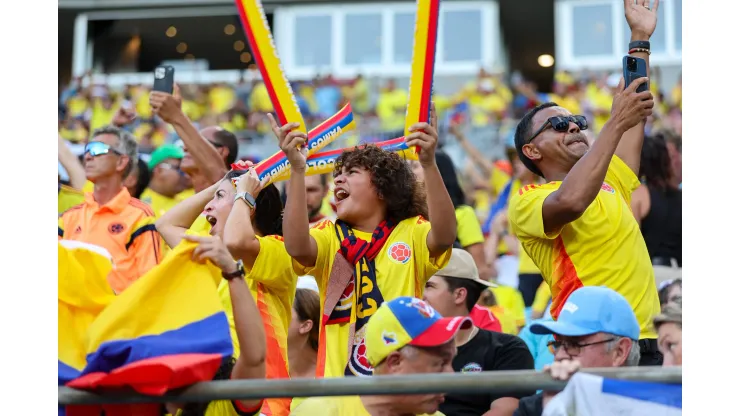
x,y
211,220
577,139
340,195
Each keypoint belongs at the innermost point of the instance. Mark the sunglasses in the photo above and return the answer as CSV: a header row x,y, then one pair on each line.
x,y
181,145
100,148
561,124
176,168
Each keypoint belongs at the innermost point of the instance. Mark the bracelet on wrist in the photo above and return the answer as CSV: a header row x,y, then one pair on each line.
x,y
639,50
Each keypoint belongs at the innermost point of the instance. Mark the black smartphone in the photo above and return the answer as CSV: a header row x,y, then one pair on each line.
x,y
164,79
634,68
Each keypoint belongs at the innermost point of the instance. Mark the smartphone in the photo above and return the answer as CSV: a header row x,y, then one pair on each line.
x,y
164,79
634,68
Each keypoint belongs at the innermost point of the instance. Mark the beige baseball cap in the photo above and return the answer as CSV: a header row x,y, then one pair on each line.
x,y
462,266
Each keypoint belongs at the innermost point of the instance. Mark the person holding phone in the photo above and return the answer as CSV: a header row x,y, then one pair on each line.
x,y
578,227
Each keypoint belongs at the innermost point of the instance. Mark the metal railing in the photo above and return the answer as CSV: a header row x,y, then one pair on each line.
x,y
484,382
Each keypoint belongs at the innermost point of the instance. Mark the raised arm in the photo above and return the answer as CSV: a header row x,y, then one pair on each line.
x,y
247,321
176,221
239,234
298,241
441,211
72,165
485,165
582,184
642,21
169,108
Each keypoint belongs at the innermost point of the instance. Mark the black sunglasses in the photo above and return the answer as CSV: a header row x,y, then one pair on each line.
x,y
561,124
179,143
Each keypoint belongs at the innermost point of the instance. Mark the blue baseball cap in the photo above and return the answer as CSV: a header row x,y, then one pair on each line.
x,y
408,321
592,309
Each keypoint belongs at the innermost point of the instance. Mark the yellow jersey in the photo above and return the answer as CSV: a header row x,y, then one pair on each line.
x,y
604,247
510,298
159,203
336,406
397,275
468,227
272,283
506,318
541,298
67,197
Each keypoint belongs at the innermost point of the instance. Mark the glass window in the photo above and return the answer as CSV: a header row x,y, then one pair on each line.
x,y
658,40
461,34
403,37
677,22
363,39
592,30
314,50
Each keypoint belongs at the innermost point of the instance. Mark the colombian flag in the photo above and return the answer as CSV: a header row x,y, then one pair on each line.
x,y
167,330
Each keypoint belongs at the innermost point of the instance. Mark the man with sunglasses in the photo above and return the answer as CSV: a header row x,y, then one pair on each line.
x,y
166,180
110,217
596,329
578,227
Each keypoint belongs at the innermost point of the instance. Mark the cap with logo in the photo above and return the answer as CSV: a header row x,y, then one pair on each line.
x,y
462,266
408,321
163,153
589,310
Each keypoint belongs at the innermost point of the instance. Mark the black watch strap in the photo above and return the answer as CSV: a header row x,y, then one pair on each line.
x,y
236,274
641,44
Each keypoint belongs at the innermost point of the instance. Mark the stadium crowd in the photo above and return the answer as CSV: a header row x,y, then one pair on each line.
x,y
564,254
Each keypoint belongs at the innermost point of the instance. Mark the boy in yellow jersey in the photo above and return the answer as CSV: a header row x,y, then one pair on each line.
x,y
578,228
249,220
380,247
248,329
404,336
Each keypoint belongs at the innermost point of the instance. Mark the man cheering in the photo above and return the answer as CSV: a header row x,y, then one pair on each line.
x,y
578,228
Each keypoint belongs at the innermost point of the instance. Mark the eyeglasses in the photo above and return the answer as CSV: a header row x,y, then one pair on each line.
x,y
172,167
571,348
181,144
561,124
100,148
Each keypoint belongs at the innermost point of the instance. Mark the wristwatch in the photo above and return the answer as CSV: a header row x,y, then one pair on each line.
x,y
239,273
249,199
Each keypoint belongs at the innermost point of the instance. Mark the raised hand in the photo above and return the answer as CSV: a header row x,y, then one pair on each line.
x,y
214,250
630,107
250,183
123,117
166,106
424,135
291,141
641,18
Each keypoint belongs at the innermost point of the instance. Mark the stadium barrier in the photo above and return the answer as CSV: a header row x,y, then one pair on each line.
x,y
483,382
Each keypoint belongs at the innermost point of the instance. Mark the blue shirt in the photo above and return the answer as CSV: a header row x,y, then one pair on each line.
x,y
537,345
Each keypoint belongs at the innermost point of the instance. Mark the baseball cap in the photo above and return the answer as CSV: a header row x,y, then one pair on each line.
x,y
592,309
462,266
162,153
408,321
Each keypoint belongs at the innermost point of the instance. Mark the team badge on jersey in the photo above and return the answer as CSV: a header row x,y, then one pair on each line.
x,y
115,228
358,364
472,368
607,188
399,253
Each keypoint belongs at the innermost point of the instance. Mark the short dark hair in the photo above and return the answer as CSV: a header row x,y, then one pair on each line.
x,y
524,131
473,290
655,162
268,211
228,139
